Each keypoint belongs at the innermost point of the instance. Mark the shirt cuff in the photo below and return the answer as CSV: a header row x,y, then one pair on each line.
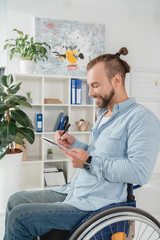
x,y
78,144
96,167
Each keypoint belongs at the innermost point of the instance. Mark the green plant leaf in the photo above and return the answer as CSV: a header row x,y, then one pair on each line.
x,y
6,45
24,103
15,88
2,93
19,32
3,107
21,117
7,80
3,150
16,98
19,139
8,131
27,133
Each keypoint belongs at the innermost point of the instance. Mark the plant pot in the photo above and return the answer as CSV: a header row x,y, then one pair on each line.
x,y
49,155
9,177
29,100
26,66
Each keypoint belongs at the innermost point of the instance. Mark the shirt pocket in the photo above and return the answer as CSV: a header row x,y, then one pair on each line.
x,y
114,136
110,144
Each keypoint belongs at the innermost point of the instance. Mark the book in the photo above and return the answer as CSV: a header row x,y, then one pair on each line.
x,y
62,123
58,121
39,125
65,122
76,91
73,91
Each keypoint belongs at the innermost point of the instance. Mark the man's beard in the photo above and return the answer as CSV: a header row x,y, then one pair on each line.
x,y
106,100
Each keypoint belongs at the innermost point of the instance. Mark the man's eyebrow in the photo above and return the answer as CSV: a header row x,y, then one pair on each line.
x,y
95,83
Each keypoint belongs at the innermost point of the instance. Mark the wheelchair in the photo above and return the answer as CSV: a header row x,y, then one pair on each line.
x,y
122,221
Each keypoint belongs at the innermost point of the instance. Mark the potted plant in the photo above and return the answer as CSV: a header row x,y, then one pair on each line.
x,y
49,153
29,99
15,127
29,50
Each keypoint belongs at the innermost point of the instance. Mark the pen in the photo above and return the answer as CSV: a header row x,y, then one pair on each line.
x,y
66,129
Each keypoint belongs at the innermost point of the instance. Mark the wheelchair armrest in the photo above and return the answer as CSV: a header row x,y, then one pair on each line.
x,y
136,186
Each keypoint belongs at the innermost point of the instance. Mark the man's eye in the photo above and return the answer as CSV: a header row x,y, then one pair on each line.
x,y
95,86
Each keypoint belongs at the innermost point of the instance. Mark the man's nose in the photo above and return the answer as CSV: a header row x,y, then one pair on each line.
x,y
91,92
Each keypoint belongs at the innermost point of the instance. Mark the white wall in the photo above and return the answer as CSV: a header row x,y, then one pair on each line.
x,y
134,24
3,31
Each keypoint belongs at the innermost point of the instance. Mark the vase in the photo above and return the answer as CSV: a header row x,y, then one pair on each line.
x,y
26,66
82,125
10,166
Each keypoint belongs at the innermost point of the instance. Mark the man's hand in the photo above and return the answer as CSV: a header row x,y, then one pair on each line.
x,y
77,156
66,140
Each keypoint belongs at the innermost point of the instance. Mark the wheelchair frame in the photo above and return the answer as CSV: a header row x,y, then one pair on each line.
x,y
103,223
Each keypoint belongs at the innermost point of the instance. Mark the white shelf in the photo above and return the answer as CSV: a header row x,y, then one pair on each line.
x,y
41,87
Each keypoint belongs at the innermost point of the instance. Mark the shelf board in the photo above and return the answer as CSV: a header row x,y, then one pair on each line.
x,y
37,105
36,159
56,159
82,105
55,105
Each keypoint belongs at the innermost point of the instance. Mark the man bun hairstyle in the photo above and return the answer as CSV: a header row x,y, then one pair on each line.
x,y
123,51
113,63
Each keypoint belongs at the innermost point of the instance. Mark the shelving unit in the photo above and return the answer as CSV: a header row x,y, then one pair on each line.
x,y
59,87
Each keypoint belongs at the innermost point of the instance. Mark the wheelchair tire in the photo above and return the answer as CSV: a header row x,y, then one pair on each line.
x,y
145,226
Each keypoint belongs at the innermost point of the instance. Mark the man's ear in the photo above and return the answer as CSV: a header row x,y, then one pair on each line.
x,y
117,80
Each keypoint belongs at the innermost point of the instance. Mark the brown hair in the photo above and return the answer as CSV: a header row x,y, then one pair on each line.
x,y
113,64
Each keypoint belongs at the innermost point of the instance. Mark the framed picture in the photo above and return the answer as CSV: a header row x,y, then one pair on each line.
x,y
73,45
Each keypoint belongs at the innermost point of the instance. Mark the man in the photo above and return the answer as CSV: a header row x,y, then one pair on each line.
x,y
123,148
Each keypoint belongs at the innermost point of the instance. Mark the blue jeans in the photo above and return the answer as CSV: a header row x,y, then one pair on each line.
x,y
34,213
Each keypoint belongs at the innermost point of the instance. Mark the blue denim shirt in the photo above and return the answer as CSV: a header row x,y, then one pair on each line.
x,y
124,150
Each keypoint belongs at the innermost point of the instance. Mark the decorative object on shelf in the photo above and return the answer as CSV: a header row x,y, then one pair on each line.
x,y
82,125
15,127
52,101
29,99
30,52
49,153
73,48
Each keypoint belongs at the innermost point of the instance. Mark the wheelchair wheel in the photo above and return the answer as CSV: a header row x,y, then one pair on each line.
x,y
119,223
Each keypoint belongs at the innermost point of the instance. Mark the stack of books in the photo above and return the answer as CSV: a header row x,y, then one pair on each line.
x,y
54,177
52,101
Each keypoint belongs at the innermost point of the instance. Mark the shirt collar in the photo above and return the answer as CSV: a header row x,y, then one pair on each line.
x,y
119,107
124,105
